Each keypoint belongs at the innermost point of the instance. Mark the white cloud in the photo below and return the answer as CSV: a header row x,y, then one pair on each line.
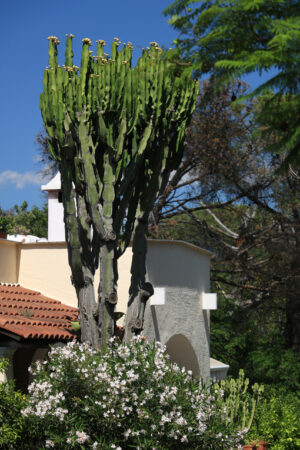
x,y
20,180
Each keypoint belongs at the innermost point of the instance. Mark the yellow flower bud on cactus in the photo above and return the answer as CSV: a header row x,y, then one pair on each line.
x,y
87,41
54,39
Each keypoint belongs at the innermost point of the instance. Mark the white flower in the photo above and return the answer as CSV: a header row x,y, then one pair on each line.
x,y
82,437
164,419
49,443
127,433
181,421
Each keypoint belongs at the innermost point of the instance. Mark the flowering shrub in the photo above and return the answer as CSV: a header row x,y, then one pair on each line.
x,y
12,423
129,396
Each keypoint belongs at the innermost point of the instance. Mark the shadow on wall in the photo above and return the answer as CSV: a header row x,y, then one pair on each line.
x,y
182,353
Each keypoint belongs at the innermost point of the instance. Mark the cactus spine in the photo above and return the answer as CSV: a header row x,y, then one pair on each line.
x,y
117,133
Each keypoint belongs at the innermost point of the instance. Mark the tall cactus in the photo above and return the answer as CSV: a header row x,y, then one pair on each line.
x,y
117,133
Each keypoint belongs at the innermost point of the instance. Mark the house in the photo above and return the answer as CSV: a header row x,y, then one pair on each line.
x,y
177,314
29,324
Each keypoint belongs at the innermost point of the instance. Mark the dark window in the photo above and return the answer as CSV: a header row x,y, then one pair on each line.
x,y
60,196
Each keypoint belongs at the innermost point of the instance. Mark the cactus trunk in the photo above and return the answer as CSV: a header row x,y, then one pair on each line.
x,y
107,293
137,301
87,313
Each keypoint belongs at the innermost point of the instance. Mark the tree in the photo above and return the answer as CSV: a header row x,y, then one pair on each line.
x,y
224,196
117,133
48,165
233,38
21,220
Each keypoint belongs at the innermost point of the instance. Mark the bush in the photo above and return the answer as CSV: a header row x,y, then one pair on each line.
x,y
129,396
12,423
277,420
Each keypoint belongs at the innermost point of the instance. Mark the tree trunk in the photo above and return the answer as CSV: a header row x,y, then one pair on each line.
x,y
140,290
87,314
107,292
82,274
292,327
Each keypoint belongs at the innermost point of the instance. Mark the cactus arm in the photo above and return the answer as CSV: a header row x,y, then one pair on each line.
x,y
93,186
137,159
108,194
85,56
125,237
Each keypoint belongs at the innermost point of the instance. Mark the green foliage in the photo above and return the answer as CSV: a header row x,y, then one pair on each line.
x,y
131,396
276,365
211,40
12,423
5,223
229,336
277,420
244,340
21,220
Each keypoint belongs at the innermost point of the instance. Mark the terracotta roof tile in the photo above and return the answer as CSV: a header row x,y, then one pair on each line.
x,y
30,315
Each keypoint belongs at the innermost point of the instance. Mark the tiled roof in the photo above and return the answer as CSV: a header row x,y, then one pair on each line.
x,y
30,315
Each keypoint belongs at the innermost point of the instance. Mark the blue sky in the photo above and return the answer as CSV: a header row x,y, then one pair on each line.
x,y
24,28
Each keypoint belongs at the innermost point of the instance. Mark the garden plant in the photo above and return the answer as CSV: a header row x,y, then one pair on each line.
x,y
132,396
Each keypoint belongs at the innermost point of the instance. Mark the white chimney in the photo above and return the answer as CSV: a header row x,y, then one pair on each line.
x,y
56,226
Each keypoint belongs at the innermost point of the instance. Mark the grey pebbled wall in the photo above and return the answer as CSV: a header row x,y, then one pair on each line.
x,y
181,317
181,323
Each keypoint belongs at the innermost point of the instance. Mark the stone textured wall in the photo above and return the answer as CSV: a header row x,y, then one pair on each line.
x,y
181,315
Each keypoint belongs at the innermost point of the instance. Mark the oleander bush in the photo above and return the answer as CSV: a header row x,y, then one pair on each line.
x,y
132,396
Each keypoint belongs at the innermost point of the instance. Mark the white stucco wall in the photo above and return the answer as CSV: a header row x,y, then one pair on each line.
x,y
56,226
184,271
178,264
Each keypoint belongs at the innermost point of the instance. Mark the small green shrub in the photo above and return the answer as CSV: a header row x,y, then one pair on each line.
x,y
12,422
129,396
277,420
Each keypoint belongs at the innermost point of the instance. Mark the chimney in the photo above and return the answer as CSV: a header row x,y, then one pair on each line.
x,y
56,226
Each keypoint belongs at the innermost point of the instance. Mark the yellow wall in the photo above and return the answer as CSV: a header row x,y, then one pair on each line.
x,y
178,266
44,267
9,259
